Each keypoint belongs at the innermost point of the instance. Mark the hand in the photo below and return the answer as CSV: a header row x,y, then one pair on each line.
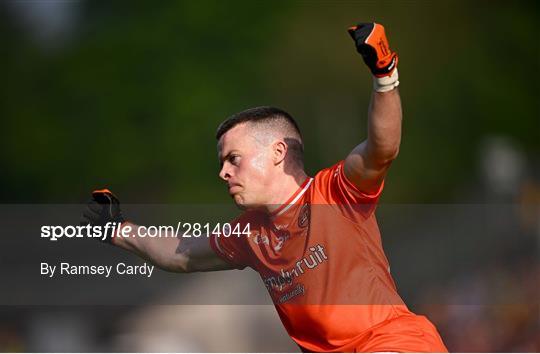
x,y
104,207
372,44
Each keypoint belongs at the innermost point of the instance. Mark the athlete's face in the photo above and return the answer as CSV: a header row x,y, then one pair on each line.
x,y
246,166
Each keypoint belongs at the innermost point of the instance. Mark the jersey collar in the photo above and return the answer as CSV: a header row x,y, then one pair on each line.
x,y
293,199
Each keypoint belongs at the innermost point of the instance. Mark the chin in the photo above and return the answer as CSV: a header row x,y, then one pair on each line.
x,y
242,204
239,201
242,207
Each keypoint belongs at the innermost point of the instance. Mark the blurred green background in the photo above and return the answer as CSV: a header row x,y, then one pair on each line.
x,y
129,95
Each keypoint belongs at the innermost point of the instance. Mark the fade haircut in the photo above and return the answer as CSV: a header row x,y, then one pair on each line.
x,y
273,118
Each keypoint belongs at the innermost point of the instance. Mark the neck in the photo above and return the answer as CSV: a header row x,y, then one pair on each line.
x,y
283,189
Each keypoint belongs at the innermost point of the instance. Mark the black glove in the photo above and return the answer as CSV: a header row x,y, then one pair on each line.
x,y
372,44
104,207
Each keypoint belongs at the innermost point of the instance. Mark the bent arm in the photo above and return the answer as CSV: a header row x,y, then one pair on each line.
x,y
174,254
367,164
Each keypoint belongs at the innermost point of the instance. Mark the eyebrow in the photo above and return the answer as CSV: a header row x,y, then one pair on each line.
x,y
223,158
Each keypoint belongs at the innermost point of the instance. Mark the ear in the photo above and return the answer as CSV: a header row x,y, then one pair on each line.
x,y
279,150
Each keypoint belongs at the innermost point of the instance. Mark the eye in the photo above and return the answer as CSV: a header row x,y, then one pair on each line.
x,y
234,159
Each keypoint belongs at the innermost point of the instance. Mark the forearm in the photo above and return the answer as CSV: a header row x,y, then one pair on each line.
x,y
169,251
163,251
384,127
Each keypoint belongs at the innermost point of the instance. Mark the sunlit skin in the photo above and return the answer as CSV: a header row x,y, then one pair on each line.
x,y
252,165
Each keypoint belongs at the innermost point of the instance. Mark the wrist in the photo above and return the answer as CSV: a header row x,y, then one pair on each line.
x,y
386,83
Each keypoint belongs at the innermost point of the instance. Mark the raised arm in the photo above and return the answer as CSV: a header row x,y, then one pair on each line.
x,y
367,164
175,254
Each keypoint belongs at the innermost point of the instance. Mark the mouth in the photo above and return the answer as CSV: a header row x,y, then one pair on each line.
x,y
234,188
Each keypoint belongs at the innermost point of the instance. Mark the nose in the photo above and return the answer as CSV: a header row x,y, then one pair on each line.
x,y
224,174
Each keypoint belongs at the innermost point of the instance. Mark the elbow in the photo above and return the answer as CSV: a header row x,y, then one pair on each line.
x,y
385,156
175,265
182,266
392,154
174,268
385,149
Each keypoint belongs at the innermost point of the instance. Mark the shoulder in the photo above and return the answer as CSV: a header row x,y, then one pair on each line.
x,y
326,178
332,186
231,241
329,171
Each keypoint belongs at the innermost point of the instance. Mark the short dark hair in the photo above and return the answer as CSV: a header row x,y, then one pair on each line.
x,y
269,115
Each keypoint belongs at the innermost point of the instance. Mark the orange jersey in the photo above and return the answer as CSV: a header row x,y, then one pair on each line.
x,y
321,259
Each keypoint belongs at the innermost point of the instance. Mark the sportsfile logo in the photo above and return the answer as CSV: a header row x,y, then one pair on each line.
x,y
102,232
279,282
117,229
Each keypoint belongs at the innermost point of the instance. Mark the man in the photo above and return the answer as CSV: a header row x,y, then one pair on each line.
x,y
314,241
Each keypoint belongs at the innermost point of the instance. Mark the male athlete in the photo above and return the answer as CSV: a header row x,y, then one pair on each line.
x,y
314,241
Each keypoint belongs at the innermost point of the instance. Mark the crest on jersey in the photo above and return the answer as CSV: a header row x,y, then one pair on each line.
x,y
258,238
303,218
283,236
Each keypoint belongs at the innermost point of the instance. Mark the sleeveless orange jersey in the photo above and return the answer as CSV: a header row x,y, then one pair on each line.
x,y
321,259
